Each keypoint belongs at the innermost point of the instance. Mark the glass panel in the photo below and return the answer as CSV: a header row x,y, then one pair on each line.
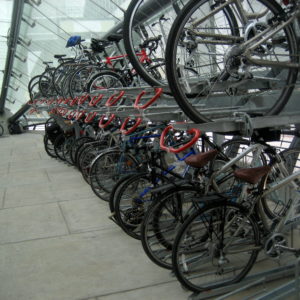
x,y
44,31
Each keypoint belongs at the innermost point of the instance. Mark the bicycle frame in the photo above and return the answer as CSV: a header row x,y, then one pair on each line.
x,y
287,220
253,43
257,148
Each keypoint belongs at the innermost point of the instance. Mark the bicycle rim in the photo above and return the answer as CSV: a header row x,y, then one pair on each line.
x,y
215,247
225,83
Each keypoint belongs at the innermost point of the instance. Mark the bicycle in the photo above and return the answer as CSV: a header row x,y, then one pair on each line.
x,y
176,202
148,23
245,54
219,243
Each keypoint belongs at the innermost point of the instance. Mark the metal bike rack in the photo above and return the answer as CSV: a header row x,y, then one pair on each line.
x,y
231,119
238,122
254,280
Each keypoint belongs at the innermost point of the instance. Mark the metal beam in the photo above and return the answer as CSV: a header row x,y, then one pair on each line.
x,y
19,113
12,43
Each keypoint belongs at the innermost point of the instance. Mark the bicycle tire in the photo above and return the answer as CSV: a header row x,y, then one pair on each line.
x,y
107,79
80,141
58,146
114,191
73,82
59,74
133,15
67,147
162,221
194,238
87,157
207,97
107,161
277,203
130,216
49,147
46,84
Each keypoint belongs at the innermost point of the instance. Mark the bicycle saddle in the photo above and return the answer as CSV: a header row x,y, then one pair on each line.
x,y
252,175
201,159
115,37
98,45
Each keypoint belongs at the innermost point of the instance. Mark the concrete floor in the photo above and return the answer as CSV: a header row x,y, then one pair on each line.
x,y
56,241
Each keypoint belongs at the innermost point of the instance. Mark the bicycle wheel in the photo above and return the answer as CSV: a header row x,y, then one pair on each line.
x,y
115,190
60,73
33,81
46,84
34,92
105,80
77,144
108,168
132,201
213,42
276,204
59,145
216,246
88,155
162,221
79,79
67,147
146,26
49,146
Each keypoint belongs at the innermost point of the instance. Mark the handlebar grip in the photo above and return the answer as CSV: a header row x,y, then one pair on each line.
x,y
112,100
103,125
158,92
133,128
90,117
194,131
95,100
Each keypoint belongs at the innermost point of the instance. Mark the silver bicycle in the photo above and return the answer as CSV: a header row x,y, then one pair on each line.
x,y
244,52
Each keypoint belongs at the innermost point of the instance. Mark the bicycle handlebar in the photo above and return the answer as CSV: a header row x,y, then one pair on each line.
x,y
153,99
194,131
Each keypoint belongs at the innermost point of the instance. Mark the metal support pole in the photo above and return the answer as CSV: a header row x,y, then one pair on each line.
x,y
12,43
19,113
